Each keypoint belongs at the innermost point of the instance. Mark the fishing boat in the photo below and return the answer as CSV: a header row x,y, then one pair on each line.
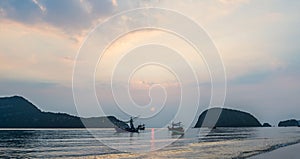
x,y
129,128
126,129
176,128
141,127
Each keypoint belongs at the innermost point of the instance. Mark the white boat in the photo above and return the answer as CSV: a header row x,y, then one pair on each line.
x,y
176,128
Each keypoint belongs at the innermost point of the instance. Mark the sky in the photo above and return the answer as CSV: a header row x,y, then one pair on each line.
x,y
258,42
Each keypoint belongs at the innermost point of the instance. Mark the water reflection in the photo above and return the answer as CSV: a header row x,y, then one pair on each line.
x,y
14,142
218,134
152,139
48,143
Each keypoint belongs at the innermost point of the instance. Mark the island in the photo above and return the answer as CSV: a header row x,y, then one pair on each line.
x,y
227,118
18,112
288,123
266,125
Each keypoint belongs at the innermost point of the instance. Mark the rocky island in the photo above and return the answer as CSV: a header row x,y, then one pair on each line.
x,y
266,125
288,123
227,118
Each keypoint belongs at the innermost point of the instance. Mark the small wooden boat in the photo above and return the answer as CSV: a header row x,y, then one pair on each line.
x,y
141,127
176,128
130,127
123,130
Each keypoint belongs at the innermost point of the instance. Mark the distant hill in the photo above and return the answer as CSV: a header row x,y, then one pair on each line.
x,y
288,123
17,112
227,118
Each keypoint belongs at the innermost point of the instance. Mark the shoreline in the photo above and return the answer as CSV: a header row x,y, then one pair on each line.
x,y
289,151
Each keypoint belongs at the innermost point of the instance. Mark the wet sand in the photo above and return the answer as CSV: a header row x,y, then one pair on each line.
x,y
288,152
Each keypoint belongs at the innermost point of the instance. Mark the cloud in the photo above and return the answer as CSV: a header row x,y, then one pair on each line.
x,y
87,6
35,53
2,12
114,3
43,9
234,1
70,16
259,43
25,11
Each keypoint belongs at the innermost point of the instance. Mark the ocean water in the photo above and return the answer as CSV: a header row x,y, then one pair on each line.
x,y
81,143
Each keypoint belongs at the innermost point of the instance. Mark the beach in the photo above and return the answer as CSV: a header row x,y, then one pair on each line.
x,y
290,152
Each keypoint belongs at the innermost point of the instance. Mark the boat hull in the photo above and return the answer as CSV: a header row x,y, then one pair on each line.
x,y
176,131
120,130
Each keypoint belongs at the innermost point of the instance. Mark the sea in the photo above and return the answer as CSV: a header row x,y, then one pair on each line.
x,y
151,143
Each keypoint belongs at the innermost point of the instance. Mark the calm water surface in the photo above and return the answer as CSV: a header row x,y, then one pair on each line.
x,y
220,143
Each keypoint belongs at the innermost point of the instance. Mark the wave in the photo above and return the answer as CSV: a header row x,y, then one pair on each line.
x,y
248,154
